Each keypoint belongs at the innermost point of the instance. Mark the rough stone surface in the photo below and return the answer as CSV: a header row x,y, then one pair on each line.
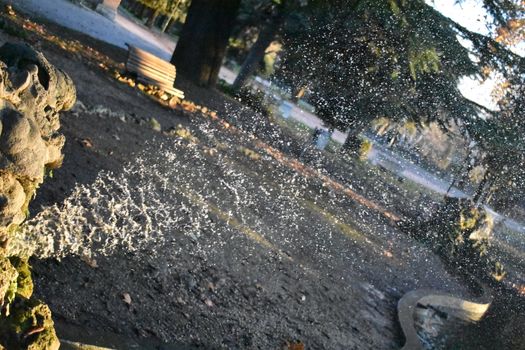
x,y
32,92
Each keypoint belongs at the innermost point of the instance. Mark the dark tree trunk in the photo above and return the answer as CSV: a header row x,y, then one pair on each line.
x,y
352,143
257,52
202,44
170,26
135,7
166,24
144,11
482,187
152,18
168,21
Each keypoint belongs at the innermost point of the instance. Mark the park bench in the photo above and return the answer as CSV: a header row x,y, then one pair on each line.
x,y
152,70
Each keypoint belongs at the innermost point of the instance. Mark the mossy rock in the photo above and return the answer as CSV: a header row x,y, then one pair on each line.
x,y
24,281
32,92
29,326
8,277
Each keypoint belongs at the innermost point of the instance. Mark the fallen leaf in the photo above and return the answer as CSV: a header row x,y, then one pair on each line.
x,y
126,298
296,345
388,254
87,143
89,261
174,102
521,290
155,125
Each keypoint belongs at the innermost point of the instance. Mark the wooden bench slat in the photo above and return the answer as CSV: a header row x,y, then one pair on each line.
x,y
133,60
168,70
148,72
152,70
148,57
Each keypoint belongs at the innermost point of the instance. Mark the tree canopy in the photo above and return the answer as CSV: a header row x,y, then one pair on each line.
x,y
396,59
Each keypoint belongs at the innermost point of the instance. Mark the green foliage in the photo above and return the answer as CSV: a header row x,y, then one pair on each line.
x,y
365,149
397,59
175,8
460,232
423,61
502,138
8,278
255,100
155,4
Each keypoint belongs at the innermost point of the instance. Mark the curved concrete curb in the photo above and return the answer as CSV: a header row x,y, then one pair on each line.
x,y
467,310
71,345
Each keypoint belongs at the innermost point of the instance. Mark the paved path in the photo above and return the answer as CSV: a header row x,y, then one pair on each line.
x,y
118,33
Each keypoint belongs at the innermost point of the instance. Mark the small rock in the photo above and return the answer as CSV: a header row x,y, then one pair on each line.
x,y
190,281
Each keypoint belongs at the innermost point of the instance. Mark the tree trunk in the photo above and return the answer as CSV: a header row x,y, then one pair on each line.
x,y
170,26
135,8
144,11
480,191
166,23
257,52
202,45
152,18
352,143
463,174
169,18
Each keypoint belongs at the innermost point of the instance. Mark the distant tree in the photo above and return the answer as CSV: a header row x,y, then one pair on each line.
x,y
202,44
501,133
156,7
175,10
501,136
269,19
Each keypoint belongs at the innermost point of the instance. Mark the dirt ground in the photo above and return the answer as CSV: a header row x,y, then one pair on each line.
x,y
260,252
